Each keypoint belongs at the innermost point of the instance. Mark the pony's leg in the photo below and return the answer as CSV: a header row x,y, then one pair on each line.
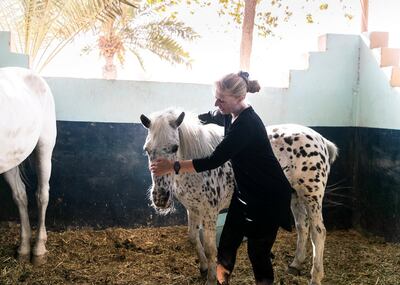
x,y
194,237
210,248
13,178
302,228
318,235
43,168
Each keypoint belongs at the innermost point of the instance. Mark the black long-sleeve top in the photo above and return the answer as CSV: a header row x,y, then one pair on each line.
x,y
262,188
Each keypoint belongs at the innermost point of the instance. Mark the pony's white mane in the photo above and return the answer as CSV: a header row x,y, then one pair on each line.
x,y
195,140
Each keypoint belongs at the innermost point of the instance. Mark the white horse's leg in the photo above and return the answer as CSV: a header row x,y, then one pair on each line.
x,y
210,248
194,237
318,235
13,178
43,169
302,228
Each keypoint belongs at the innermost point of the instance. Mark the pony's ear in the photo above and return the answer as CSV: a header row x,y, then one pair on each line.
x,y
145,121
178,121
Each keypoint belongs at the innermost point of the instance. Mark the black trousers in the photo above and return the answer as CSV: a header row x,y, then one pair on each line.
x,y
259,244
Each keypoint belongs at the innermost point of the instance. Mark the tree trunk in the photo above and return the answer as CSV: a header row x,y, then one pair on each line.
x,y
247,34
364,15
109,69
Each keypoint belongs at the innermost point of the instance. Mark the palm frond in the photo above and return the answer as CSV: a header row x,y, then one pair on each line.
x,y
41,28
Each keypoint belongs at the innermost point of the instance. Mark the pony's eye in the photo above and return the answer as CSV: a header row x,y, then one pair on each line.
x,y
174,148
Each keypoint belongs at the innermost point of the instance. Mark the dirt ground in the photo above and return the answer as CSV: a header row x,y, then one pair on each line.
x,y
152,256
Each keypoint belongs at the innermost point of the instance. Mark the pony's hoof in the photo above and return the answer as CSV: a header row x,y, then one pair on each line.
x,y
203,273
38,260
294,271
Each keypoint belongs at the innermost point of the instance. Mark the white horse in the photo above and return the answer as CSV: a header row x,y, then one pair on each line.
x,y
305,157
27,123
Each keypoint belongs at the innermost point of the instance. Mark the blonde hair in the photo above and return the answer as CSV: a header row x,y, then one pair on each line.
x,y
237,84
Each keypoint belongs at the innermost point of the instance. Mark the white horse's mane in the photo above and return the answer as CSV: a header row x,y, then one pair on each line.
x,y
195,140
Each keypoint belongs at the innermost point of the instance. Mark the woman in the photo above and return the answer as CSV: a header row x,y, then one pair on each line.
x,y
261,201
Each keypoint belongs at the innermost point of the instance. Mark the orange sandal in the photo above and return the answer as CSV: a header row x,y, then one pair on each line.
x,y
222,275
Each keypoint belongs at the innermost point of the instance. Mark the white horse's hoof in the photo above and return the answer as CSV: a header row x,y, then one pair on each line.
x,y
38,260
24,257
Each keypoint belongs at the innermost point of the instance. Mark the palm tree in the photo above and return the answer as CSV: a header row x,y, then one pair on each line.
x,y
138,30
41,28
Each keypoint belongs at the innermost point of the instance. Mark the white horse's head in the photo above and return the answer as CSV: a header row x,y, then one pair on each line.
x,y
162,141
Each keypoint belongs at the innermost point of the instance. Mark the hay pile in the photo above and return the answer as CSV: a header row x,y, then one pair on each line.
x,y
164,256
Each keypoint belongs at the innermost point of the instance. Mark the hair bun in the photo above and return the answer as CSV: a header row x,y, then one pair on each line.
x,y
253,86
245,75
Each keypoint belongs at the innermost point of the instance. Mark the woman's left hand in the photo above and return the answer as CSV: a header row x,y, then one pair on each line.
x,y
161,166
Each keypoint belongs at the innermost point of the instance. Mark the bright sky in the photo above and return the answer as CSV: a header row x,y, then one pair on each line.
x,y
217,52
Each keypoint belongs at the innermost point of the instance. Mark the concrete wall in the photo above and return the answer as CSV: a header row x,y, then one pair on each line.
x,y
100,174
8,58
377,161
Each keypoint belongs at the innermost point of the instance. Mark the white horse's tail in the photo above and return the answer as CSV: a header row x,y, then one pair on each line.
x,y
333,151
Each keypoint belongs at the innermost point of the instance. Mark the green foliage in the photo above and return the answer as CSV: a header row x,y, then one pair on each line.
x,y
269,15
145,29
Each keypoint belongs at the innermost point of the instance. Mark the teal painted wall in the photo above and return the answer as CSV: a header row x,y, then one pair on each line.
x,y
343,92
8,58
378,103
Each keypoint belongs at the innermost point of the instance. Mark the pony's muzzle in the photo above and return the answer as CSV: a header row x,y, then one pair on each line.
x,y
161,198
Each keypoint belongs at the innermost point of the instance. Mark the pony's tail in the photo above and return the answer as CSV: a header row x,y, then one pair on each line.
x,y
333,151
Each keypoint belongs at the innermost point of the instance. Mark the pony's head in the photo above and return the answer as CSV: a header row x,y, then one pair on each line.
x,y
162,141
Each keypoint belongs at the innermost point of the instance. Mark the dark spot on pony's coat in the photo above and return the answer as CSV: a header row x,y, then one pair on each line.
x,y
318,229
289,149
309,137
322,157
288,140
301,181
281,149
308,145
303,152
276,136
313,168
304,168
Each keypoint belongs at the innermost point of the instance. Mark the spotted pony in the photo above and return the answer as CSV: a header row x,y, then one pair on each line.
x,y
305,157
